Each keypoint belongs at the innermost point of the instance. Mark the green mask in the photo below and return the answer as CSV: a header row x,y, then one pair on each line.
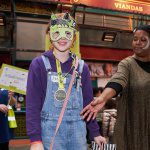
x,y
61,32
62,27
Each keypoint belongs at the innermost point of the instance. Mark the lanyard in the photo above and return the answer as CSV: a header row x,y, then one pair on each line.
x,y
60,76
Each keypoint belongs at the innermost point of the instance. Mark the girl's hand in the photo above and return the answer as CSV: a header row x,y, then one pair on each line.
x,y
3,108
37,146
100,140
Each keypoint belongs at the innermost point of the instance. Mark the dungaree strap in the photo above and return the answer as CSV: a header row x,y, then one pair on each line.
x,y
80,70
81,64
46,63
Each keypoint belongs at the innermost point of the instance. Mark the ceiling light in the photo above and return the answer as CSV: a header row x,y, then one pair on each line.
x,y
109,36
2,19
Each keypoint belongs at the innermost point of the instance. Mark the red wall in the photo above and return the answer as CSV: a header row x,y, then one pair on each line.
x,y
109,54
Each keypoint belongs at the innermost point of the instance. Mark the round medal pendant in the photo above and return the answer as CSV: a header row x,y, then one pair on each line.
x,y
60,94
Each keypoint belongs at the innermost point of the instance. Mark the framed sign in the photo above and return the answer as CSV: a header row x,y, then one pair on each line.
x,y
101,72
102,69
13,78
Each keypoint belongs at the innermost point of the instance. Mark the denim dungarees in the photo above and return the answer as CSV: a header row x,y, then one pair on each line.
x,y
72,131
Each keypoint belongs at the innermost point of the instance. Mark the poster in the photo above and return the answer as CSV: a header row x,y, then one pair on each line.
x,y
101,72
13,78
102,69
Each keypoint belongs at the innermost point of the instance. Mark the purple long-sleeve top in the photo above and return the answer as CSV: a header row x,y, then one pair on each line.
x,y
36,92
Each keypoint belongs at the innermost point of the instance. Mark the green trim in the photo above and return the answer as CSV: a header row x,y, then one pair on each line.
x,y
32,15
20,137
94,83
20,112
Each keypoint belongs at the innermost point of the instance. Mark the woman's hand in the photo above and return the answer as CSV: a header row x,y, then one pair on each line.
x,y
100,140
3,108
37,146
91,110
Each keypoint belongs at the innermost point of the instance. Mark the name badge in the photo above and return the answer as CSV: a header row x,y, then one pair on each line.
x,y
55,79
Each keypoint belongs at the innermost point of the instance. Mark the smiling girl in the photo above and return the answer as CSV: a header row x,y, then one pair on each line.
x,y
49,81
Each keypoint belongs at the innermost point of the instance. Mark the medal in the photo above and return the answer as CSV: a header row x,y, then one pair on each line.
x,y
60,94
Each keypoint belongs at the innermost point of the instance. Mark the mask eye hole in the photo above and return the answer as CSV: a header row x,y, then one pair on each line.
x,y
56,34
68,34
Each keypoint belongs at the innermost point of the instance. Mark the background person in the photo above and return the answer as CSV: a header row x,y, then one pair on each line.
x,y
132,79
106,116
6,133
108,69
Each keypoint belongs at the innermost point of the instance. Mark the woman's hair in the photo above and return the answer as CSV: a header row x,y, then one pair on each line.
x,y
145,28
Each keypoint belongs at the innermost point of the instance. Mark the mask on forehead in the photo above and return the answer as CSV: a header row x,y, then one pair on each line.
x,y
63,27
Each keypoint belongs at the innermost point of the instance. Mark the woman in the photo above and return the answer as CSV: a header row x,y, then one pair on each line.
x,y
132,80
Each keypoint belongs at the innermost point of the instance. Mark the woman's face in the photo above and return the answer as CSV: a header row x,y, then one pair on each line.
x,y
141,43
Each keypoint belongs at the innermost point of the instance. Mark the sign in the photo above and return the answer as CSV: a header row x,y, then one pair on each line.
x,y
13,78
133,6
102,70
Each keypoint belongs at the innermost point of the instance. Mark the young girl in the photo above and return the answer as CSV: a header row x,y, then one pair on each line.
x,y
48,86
